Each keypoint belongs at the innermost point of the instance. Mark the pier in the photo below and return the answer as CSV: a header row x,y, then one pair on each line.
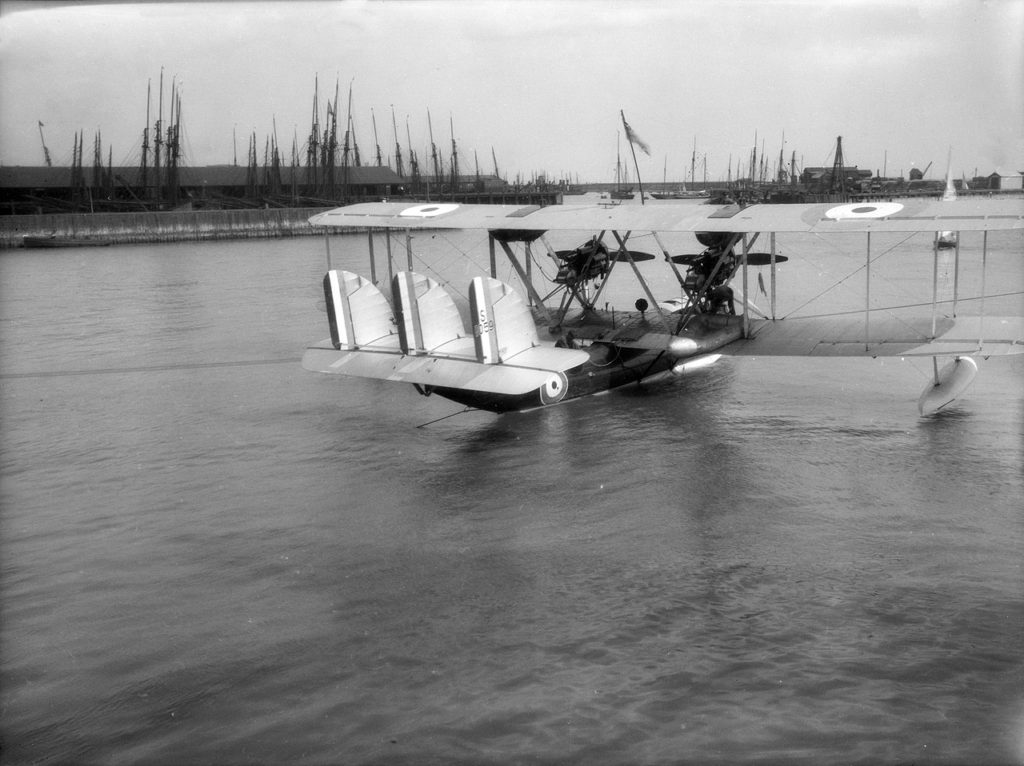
x,y
172,226
197,225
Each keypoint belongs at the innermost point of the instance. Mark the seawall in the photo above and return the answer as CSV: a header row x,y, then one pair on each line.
x,y
172,226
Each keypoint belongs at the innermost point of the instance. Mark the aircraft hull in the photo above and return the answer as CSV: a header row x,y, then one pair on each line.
x,y
610,367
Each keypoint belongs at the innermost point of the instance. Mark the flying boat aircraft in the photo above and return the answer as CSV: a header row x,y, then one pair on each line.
x,y
501,363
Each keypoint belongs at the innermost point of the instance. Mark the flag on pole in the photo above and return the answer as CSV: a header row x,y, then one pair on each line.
x,y
634,139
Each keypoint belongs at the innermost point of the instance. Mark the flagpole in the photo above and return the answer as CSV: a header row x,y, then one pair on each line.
x,y
629,140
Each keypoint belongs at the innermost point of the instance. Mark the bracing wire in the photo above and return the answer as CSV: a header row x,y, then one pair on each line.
x,y
847,277
427,266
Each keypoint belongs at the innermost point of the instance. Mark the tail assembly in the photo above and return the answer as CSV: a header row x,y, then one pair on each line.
x,y
501,367
505,333
358,313
502,323
428,320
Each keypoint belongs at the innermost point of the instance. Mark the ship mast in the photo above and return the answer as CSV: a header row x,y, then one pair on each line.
x,y
313,151
455,156
398,147
158,140
433,151
346,148
145,143
693,163
174,144
351,129
414,164
376,142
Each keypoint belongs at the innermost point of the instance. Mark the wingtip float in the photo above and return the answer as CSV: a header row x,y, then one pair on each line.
x,y
948,384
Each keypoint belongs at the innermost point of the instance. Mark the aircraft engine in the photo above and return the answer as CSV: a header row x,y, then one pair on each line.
x,y
589,261
714,239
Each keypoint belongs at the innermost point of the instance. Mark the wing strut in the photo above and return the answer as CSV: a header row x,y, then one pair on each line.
x,y
373,260
675,269
746,309
391,263
867,296
956,273
643,282
984,255
747,303
527,283
935,288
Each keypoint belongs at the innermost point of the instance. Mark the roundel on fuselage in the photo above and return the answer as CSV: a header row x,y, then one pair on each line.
x,y
554,389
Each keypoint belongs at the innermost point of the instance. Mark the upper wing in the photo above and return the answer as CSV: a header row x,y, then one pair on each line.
x,y
973,214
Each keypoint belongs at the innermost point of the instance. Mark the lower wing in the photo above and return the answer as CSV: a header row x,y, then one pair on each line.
x,y
853,335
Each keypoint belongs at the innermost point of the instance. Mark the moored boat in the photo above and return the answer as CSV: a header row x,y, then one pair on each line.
x,y
54,241
680,194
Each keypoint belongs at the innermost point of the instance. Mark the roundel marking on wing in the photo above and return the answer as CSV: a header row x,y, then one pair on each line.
x,y
554,388
861,210
428,211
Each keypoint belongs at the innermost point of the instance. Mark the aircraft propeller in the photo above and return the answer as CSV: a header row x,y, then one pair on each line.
x,y
614,255
753,259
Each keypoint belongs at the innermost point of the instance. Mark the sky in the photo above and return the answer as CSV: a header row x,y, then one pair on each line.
x,y
537,87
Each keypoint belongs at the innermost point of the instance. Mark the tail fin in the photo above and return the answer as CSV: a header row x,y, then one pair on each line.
x,y
428,320
502,324
358,313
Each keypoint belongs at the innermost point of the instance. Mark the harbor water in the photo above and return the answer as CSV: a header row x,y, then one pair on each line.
x,y
210,556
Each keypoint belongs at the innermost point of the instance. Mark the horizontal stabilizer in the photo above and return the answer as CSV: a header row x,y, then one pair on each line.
x,y
549,358
358,313
428,320
437,372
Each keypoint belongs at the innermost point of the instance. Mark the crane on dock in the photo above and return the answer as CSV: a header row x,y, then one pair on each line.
x,y
838,181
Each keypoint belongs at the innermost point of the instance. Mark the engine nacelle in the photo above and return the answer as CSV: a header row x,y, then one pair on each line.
x,y
714,239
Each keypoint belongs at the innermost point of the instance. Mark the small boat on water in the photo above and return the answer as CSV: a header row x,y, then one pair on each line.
x,y
54,241
621,191
680,194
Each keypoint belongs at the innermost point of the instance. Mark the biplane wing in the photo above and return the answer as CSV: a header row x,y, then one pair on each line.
x,y
429,348
822,218
850,335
